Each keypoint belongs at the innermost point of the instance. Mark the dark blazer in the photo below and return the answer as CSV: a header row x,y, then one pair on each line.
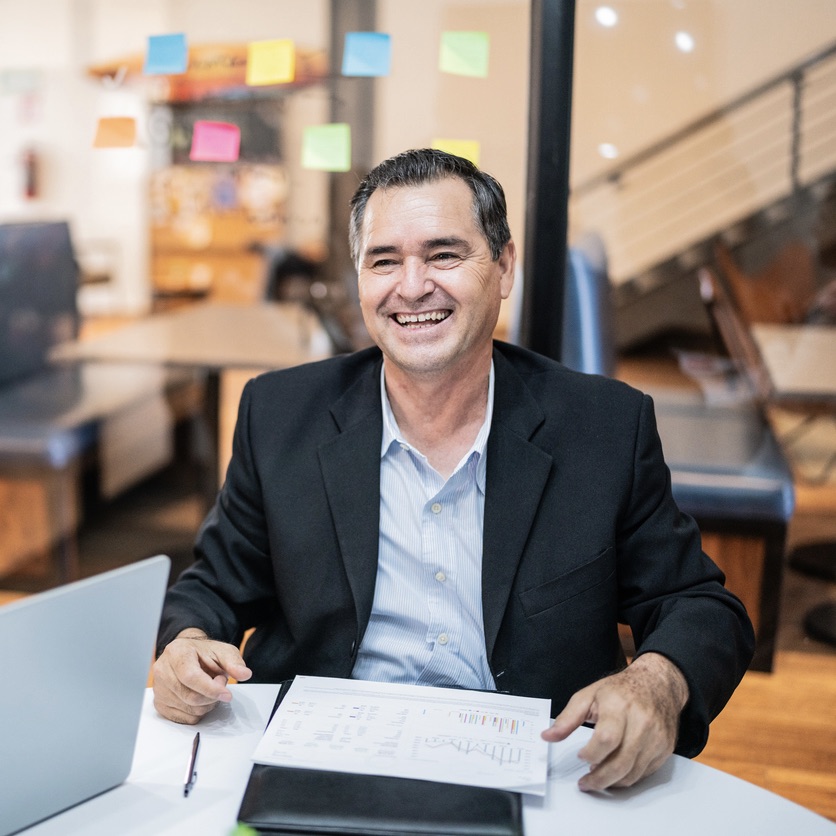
x,y
581,532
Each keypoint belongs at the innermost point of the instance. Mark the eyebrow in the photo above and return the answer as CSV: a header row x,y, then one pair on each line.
x,y
431,244
382,249
452,241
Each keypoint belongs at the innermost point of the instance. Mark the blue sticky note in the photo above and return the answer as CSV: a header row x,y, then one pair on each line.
x,y
367,54
166,55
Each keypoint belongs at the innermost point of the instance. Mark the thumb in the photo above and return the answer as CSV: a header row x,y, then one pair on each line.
x,y
578,711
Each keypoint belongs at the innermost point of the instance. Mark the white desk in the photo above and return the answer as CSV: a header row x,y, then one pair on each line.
x,y
684,797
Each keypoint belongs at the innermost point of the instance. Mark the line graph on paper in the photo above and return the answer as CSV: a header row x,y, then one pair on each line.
x,y
499,753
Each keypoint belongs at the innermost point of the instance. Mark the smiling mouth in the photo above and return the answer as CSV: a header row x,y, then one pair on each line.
x,y
423,319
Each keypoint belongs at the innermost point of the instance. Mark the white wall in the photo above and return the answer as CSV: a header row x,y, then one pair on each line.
x,y
631,87
103,192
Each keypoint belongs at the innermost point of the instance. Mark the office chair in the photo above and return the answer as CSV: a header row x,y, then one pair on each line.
x,y
587,340
587,343
732,310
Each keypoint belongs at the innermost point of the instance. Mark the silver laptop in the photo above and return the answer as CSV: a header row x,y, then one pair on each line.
x,y
75,663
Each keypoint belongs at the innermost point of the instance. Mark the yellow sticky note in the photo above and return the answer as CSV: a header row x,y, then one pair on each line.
x,y
271,62
464,53
115,132
467,148
327,147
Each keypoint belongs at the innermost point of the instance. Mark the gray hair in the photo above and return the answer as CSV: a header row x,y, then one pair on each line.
x,y
427,165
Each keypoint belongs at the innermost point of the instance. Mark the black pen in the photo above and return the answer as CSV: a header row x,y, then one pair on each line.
x,y
191,771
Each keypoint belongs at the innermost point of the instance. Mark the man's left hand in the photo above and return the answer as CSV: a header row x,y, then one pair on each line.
x,y
636,717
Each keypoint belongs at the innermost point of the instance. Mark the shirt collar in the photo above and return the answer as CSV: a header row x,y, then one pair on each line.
x,y
392,433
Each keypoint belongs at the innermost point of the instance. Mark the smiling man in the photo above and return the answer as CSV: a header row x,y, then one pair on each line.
x,y
445,509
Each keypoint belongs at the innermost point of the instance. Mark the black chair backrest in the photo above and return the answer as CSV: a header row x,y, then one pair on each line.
x,y
38,285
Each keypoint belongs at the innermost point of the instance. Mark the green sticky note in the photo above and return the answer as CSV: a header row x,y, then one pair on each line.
x,y
464,53
467,148
327,147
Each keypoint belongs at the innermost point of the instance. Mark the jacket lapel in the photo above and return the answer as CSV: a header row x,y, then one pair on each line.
x,y
517,471
350,465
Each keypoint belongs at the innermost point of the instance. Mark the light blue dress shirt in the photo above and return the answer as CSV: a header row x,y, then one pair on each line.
x,y
426,623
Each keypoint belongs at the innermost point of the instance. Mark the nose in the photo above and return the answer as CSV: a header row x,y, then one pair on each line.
x,y
415,282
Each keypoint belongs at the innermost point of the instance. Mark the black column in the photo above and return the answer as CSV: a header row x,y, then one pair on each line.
x,y
352,101
549,131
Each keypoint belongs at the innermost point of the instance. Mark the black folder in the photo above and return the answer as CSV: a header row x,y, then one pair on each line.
x,y
286,800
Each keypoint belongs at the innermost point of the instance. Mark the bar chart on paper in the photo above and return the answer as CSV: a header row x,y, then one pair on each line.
x,y
438,734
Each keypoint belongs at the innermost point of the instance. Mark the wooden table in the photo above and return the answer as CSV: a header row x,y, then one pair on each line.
x,y
212,337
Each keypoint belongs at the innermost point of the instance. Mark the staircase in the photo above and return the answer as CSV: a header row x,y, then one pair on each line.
x,y
753,174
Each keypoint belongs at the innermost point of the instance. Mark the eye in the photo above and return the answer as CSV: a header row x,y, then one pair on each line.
x,y
446,256
383,263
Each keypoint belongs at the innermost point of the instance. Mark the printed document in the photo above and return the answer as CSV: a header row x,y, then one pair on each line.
x,y
483,739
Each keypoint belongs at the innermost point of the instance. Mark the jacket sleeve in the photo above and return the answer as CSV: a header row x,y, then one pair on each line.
x,y
673,596
230,586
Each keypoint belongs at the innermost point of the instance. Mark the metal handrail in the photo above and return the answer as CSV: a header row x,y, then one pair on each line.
x,y
794,75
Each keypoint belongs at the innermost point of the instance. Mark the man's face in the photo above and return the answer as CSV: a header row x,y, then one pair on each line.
x,y
429,290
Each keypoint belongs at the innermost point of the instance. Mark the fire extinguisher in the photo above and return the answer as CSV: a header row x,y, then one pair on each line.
x,y
29,162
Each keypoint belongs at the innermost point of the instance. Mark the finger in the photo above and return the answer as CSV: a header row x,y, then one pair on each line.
x,y
220,658
610,773
608,737
579,710
641,769
177,713
169,688
641,750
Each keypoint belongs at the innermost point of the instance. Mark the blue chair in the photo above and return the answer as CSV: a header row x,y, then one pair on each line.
x,y
588,344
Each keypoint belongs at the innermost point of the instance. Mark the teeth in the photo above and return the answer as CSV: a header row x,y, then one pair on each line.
x,y
432,316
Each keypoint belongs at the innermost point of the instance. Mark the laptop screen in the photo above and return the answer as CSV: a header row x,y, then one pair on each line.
x,y
76,660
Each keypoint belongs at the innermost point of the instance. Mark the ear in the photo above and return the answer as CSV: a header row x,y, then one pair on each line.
x,y
507,262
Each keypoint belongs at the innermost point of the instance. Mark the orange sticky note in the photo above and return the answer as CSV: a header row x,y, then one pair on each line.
x,y
215,142
115,132
467,148
271,62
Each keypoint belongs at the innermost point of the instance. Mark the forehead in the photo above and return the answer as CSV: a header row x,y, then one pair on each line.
x,y
441,207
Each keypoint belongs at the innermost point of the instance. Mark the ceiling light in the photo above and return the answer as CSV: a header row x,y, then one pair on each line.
x,y
684,41
608,151
606,16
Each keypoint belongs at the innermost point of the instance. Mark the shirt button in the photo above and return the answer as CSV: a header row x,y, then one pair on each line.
x,y
443,638
440,577
436,507
404,446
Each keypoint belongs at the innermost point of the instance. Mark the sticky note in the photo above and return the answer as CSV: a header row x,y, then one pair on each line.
x,y
271,62
367,54
215,142
464,53
327,147
115,132
467,148
166,55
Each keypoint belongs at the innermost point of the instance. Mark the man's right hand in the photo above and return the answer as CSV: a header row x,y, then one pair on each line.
x,y
191,674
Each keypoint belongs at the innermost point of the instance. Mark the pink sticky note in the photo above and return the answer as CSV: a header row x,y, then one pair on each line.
x,y
215,142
